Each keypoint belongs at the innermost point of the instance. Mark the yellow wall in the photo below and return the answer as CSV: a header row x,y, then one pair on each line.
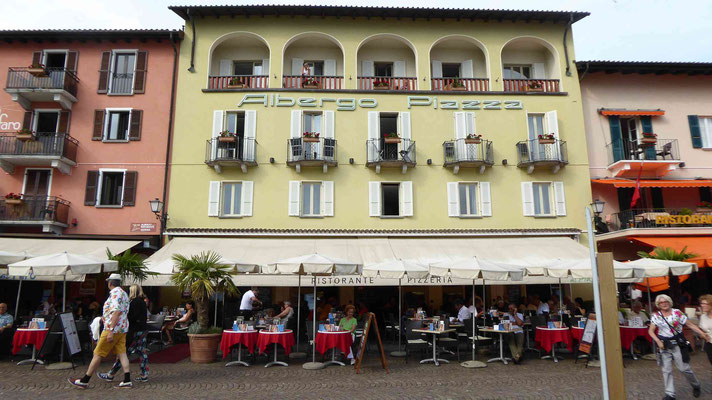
x,y
188,203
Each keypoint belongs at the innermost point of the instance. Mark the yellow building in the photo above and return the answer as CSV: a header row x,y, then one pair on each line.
x,y
349,123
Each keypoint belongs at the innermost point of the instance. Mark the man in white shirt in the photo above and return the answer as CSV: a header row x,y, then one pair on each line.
x,y
463,312
248,300
515,339
542,308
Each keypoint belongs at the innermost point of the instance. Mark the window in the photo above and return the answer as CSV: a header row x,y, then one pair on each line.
x,y
46,122
117,125
451,70
390,200
468,199
536,125
705,194
706,131
54,59
247,67
122,73
111,188
311,199
542,198
235,122
383,69
517,71
316,68
231,199
312,122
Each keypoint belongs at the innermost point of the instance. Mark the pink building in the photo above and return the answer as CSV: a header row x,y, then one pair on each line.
x,y
84,129
652,120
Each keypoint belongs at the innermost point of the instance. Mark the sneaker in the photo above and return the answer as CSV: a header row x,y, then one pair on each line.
x,y
124,385
668,397
77,383
105,377
353,361
696,391
141,379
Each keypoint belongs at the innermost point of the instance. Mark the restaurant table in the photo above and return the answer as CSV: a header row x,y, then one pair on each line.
x,y
341,340
24,337
546,338
285,339
501,342
231,338
435,360
577,333
629,334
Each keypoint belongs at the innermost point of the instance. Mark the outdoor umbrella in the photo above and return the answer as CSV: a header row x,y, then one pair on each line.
x,y
652,268
9,257
397,269
312,264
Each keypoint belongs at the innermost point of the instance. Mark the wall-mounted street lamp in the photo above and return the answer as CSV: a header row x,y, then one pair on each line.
x,y
157,209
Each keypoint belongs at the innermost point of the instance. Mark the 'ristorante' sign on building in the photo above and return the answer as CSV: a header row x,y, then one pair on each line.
x,y
683,219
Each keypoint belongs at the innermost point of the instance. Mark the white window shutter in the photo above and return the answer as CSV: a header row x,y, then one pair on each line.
x,y
330,67
460,125
528,199
399,69
247,193
404,118
250,132
217,127
367,68
225,67
294,195
466,69
552,123
327,198
296,130
297,64
453,203
437,68
374,145
265,66
470,123
538,71
374,199
214,199
406,199
329,124
559,198
485,199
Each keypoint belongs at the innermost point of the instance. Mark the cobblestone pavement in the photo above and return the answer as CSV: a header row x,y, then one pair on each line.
x,y
535,379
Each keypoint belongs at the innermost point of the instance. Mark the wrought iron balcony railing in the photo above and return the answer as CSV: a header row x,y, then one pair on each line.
x,y
381,151
34,208
47,144
660,150
531,85
311,149
238,82
237,149
465,151
51,78
540,151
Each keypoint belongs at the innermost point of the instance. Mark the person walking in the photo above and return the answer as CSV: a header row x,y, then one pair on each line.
x,y
673,345
137,335
113,338
706,323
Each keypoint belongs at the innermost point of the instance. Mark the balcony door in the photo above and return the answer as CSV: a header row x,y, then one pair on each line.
x,y
35,191
46,122
55,61
629,135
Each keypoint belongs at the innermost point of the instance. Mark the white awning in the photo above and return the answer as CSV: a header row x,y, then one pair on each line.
x,y
42,247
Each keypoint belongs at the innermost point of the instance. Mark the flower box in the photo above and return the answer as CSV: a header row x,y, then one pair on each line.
x,y
547,141
311,139
473,141
534,89
455,88
37,72
236,86
228,139
25,136
391,140
13,201
310,86
380,87
648,141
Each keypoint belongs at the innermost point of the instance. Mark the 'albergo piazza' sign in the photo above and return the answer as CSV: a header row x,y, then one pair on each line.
x,y
350,103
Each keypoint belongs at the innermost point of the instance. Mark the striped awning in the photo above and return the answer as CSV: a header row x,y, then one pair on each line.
x,y
681,183
631,113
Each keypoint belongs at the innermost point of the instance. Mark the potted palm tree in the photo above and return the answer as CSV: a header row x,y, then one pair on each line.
x,y
131,266
668,253
203,275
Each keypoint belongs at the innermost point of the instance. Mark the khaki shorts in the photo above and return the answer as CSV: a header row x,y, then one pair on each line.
x,y
105,347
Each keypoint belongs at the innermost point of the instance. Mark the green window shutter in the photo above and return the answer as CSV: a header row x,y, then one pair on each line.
x,y
694,121
616,138
647,124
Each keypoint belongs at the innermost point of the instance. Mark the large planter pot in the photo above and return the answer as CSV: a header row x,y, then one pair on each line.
x,y
204,347
229,139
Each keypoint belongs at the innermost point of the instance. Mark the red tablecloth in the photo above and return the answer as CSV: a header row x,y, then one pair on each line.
x,y
233,338
628,335
285,339
24,337
328,340
546,338
576,333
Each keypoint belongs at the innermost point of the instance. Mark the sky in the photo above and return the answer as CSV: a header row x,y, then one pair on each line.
x,y
622,30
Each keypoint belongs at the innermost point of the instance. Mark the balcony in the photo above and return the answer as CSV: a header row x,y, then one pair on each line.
x,y
27,85
238,82
223,152
460,84
533,154
531,85
627,157
57,150
382,153
386,62
459,153
47,211
387,83
311,152
659,218
313,82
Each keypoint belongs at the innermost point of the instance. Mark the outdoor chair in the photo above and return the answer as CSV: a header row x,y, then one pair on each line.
x,y
479,340
414,340
666,151
154,329
392,326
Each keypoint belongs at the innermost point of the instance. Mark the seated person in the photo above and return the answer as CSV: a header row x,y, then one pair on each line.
x,y
578,307
348,323
6,322
287,311
188,318
463,312
542,307
515,339
637,312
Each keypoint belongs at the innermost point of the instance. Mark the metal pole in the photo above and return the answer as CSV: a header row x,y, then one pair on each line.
x,y
484,296
597,303
314,320
299,307
473,320
399,322
215,322
17,302
64,293
561,299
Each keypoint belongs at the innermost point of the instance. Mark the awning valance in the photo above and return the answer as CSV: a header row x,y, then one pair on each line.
x,y
624,183
631,113
41,247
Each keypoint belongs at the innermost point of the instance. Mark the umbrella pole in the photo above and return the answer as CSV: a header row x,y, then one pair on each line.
x,y
64,293
313,364
399,352
215,321
298,354
17,302
474,363
561,299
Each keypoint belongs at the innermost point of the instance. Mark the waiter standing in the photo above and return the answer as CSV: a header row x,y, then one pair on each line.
x,y
248,300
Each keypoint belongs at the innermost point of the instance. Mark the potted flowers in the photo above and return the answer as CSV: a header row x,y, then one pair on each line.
x,y
547,138
227,136
456,85
312,137
13,198
37,70
473,138
391,138
237,83
704,206
310,83
534,86
25,134
381,84
649,139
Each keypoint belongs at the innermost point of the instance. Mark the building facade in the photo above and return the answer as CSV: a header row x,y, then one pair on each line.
x,y
649,124
85,119
353,122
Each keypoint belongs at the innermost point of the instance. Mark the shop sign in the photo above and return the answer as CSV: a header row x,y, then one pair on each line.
x,y
8,125
683,219
350,103
143,227
358,280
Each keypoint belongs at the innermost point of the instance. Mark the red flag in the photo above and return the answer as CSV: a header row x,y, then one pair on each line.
x,y
636,193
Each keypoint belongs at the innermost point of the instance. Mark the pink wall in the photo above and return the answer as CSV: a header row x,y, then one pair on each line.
x,y
147,156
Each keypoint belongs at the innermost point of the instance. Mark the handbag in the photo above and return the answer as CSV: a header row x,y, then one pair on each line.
x,y
682,342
